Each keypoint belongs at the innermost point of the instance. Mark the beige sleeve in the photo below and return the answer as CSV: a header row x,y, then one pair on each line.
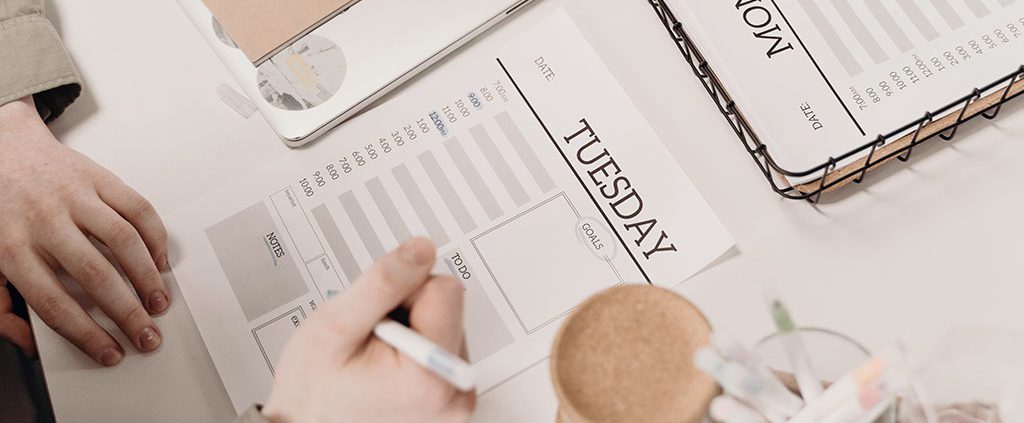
x,y
252,415
33,59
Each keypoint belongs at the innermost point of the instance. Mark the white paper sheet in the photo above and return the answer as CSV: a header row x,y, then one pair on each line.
x,y
817,78
524,161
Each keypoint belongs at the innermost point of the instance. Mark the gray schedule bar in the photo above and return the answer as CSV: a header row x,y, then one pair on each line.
x,y
978,8
362,225
525,152
860,31
948,14
890,26
447,191
420,205
337,243
924,26
388,209
472,176
500,165
831,37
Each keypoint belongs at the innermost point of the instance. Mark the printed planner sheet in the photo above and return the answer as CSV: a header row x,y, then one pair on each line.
x,y
818,78
523,160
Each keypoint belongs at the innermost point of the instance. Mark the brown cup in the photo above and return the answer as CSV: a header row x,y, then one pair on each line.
x,y
626,355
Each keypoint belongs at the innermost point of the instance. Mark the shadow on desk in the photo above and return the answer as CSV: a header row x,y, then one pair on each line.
x,y
23,396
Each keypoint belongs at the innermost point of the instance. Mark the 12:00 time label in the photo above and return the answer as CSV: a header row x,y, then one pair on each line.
x,y
441,120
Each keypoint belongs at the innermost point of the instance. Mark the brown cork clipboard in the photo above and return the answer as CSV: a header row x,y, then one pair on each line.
x,y
984,101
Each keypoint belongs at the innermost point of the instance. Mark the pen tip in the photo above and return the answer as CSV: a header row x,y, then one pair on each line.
x,y
782,318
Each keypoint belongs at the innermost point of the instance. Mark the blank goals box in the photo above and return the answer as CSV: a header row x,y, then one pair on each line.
x,y
540,265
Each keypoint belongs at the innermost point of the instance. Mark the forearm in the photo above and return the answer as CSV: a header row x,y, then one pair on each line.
x,y
34,60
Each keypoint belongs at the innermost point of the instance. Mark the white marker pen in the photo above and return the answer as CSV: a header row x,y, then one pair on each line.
x,y
786,402
739,382
427,354
881,377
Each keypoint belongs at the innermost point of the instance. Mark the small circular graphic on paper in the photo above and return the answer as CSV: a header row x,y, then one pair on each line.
x,y
223,35
597,238
304,75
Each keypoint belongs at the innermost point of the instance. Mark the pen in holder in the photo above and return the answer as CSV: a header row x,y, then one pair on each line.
x,y
832,356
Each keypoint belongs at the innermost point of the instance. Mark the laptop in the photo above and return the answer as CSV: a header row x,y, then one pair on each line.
x,y
337,66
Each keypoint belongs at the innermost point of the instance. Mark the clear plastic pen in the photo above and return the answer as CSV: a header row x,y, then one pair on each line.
x,y
787,402
740,382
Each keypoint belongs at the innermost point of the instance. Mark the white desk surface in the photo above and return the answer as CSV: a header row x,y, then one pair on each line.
x,y
929,246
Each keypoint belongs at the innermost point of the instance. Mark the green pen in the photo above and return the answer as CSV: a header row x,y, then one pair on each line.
x,y
806,379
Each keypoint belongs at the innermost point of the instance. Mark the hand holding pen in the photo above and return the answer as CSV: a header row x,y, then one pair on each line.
x,y
335,370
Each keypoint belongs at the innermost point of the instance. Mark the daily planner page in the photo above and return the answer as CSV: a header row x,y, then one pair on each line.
x,y
524,161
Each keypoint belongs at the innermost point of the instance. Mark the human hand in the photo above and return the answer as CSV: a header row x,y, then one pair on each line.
x,y
53,203
334,370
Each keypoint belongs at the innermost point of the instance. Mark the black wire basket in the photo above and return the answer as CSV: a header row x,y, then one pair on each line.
x,y
944,122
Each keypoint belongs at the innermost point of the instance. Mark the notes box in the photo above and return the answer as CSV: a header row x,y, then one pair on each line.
x,y
257,261
540,265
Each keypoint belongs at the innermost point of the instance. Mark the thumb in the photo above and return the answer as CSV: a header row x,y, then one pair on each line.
x,y
16,331
393,279
13,328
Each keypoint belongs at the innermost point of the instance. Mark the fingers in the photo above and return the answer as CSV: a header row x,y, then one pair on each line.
x,y
143,217
57,309
460,408
393,279
436,313
105,287
131,253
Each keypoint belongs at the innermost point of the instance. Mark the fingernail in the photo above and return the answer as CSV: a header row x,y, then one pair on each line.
x,y
110,357
416,251
149,339
157,303
163,265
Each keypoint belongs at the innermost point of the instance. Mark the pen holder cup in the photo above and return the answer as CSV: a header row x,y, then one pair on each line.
x,y
626,355
832,355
